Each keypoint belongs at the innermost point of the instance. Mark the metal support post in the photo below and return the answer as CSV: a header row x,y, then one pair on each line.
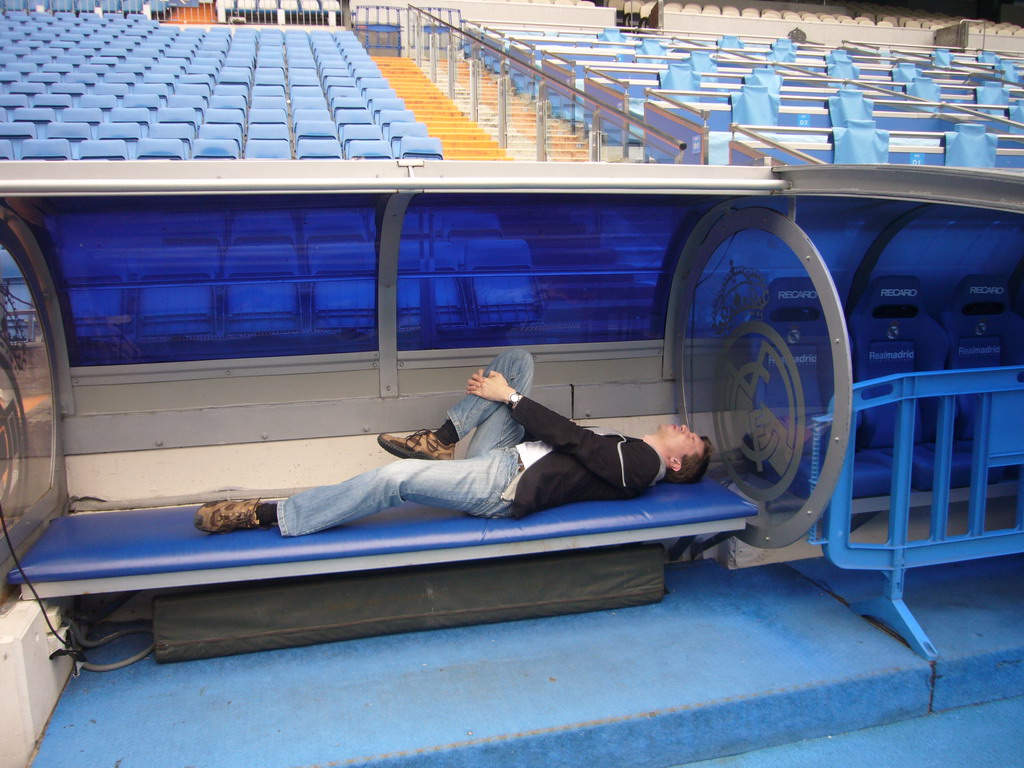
x,y
542,130
474,88
596,139
433,57
503,88
451,68
416,38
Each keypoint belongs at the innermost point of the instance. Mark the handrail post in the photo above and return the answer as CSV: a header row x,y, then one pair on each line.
x,y
414,37
451,67
433,56
542,130
474,87
596,146
503,88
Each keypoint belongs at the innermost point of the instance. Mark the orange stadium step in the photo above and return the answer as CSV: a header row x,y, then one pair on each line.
x,y
461,138
205,13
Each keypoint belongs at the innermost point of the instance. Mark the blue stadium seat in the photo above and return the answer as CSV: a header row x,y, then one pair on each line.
x,y
994,94
849,104
338,243
276,131
46,149
794,312
971,146
267,149
196,101
16,134
13,100
102,101
309,114
75,90
150,101
138,116
377,105
263,300
366,149
398,130
187,116
176,131
860,142
279,116
229,116
766,76
26,87
905,72
890,334
983,332
234,75
427,148
221,132
215,149
89,115
316,129
222,101
130,132
359,132
316,102
103,149
386,117
505,299
925,88
303,76
40,117
755,105
73,132
307,148
160,149
344,114
58,102
267,101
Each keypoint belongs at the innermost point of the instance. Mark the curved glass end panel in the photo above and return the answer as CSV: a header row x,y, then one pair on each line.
x,y
26,401
760,372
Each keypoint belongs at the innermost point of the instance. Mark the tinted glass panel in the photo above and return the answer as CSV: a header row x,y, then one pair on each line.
x,y
26,403
163,280
535,270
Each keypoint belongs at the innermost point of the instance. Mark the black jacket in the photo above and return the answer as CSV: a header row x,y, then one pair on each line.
x,y
583,465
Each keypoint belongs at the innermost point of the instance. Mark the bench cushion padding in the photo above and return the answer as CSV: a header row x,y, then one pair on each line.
x,y
107,545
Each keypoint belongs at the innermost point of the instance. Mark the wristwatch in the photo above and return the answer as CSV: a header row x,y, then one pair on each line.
x,y
513,399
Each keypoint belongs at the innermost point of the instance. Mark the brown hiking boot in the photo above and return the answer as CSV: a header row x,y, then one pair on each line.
x,y
422,444
224,516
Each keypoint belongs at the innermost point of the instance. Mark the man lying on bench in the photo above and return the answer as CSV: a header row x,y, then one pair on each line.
x,y
500,476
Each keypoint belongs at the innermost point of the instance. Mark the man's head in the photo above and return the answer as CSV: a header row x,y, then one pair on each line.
x,y
686,454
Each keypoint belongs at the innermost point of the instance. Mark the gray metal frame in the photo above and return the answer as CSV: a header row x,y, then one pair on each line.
x,y
28,527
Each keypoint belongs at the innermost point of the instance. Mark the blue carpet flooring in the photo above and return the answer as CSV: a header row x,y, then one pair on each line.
x,y
727,663
978,736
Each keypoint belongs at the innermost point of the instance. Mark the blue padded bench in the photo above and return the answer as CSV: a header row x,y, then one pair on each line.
x,y
148,549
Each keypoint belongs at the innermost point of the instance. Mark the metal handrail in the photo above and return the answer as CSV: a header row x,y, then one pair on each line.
x,y
629,122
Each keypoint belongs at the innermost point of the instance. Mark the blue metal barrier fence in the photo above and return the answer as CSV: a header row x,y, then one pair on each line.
x,y
997,398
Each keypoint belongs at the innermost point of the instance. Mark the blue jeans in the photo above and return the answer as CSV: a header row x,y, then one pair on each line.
x,y
473,485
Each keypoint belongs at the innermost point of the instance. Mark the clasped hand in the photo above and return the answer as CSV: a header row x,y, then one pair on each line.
x,y
493,386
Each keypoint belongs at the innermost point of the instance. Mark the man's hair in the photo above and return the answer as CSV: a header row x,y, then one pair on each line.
x,y
692,468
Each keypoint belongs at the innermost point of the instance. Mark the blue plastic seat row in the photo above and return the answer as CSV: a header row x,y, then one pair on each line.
x,y
94,149
891,333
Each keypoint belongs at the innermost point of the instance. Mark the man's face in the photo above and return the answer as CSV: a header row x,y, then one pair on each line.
x,y
680,441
